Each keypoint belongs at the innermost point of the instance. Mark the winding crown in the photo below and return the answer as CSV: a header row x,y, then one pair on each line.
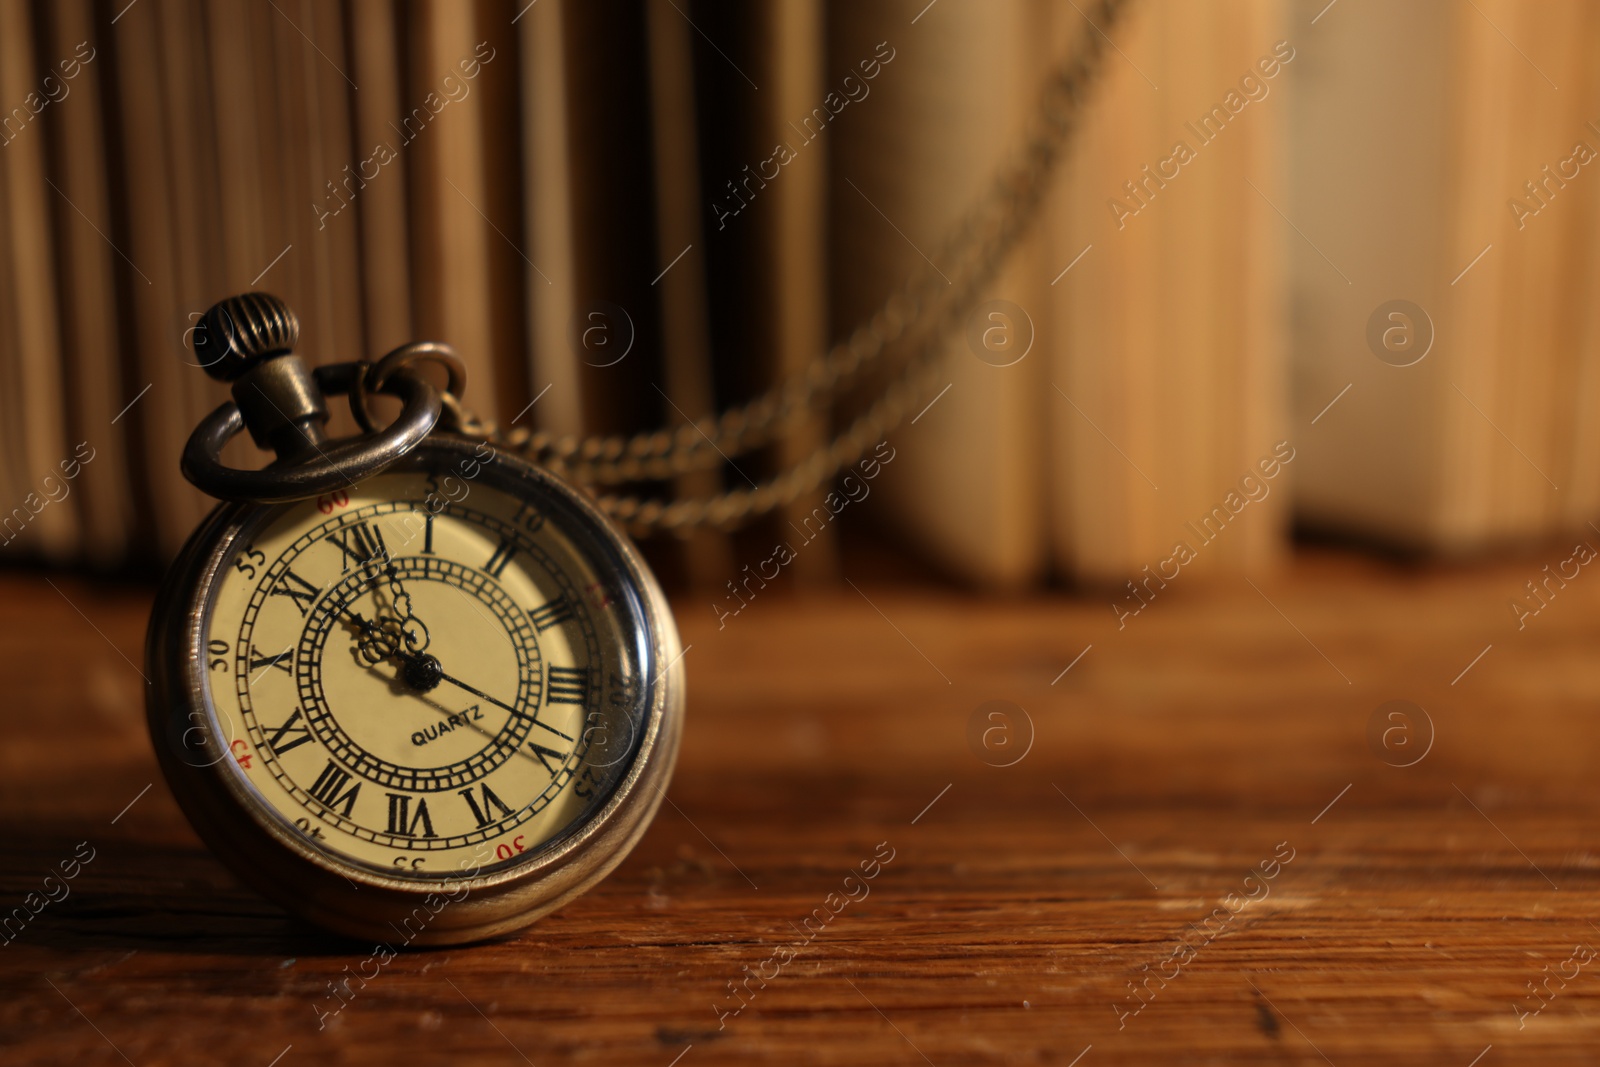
x,y
240,331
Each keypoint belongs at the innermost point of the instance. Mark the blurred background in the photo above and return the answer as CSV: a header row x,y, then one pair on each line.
x,y
1304,269
1302,273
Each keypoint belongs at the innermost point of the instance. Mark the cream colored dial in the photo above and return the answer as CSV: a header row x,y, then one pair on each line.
x,y
420,684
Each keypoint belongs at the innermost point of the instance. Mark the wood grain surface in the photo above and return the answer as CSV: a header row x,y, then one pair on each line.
x,y
1214,753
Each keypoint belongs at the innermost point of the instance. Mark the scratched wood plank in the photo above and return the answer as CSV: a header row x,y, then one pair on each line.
x,y
1224,727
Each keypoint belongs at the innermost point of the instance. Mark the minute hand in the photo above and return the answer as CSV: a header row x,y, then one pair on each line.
x,y
459,684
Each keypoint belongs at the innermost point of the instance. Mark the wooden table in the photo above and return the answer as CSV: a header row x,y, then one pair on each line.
x,y
1409,911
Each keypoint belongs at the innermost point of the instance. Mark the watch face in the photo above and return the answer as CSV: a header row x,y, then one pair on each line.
x,y
441,670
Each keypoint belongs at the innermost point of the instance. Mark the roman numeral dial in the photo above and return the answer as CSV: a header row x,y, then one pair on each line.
x,y
552,613
567,685
282,661
551,759
290,736
485,804
452,684
502,556
405,821
333,787
297,589
359,544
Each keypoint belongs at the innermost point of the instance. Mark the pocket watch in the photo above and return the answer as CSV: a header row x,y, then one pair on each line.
x,y
405,684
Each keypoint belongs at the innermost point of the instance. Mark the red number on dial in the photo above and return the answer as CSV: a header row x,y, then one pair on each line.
x,y
336,499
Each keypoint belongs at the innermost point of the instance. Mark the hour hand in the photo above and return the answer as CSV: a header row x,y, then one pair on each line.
x,y
412,629
378,640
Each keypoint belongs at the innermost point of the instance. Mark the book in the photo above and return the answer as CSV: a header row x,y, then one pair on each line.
x,y
686,383
39,514
1452,379
1168,338
385,266
554,367
912,148
97,394
1299,262
442,139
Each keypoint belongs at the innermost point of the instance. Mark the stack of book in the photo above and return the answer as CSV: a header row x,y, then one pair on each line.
x,y
1300,263
1152,289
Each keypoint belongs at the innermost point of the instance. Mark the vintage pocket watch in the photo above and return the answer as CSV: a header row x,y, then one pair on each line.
x,y
405,684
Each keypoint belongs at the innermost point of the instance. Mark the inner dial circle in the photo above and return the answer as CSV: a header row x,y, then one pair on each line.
x,y
362,657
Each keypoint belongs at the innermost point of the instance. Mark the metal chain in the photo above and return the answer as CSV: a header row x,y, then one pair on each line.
x,y
910,323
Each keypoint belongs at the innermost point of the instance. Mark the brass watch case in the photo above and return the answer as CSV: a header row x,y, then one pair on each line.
x,y
353,899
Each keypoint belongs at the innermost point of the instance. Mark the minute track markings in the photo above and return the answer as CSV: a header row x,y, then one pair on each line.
x,y
342,602
541,752
338,605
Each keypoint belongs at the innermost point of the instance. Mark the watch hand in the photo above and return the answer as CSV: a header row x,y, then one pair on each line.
x,y
397,590
423,672
458,683
376,584
413,629
377,642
